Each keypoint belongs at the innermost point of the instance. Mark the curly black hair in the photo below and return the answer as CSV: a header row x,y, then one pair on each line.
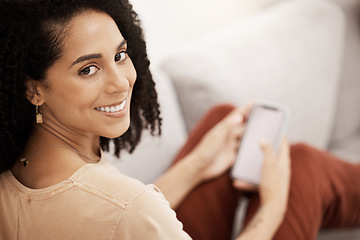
x,y
31,40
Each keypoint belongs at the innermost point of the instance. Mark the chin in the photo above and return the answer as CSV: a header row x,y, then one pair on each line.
x,y
118,133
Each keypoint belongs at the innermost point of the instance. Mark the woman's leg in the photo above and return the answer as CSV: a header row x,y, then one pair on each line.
x,y
207,213
324,192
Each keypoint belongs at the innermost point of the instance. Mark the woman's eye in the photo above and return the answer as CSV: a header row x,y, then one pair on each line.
x,y
90,70
120,56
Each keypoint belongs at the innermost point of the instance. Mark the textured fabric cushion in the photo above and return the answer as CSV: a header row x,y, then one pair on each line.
x,y
154,154
169,24
346,135
289,53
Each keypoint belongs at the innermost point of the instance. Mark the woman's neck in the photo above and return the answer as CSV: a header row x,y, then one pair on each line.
x,y
52,155
87,146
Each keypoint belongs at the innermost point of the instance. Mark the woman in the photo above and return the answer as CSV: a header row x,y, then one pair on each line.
x,y
75,66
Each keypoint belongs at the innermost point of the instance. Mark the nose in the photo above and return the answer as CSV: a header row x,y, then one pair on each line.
x,y
119,79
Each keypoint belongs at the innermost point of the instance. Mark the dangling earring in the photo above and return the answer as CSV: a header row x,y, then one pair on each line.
x,y
38,115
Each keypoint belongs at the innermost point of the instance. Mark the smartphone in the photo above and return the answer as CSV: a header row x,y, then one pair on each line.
x,y
266,121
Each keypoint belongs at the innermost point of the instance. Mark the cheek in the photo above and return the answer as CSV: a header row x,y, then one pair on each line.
x,y
72,99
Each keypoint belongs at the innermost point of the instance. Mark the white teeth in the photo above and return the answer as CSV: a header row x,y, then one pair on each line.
x,y
112,109
122,105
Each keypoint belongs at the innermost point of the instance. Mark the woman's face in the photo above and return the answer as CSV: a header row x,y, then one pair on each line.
x,y
89,88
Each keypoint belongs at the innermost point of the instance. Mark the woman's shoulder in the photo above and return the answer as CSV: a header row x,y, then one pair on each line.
x,y
144,210
148,215
104,180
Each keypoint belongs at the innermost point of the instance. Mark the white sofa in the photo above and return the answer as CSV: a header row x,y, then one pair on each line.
x,y
303,53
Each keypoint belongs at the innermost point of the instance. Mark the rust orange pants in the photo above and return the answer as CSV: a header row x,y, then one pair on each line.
x,y
324,193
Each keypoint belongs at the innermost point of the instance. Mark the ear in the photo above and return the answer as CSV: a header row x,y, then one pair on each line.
x,y
33,92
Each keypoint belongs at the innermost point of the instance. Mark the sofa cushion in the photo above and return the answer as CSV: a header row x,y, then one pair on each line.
x,y
345,141
168,24
289,53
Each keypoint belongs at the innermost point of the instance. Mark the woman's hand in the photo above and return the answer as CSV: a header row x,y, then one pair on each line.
x,y
275,181
217,150
273,191
212,156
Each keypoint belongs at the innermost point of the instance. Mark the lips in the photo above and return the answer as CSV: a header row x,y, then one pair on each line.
x,y
112,108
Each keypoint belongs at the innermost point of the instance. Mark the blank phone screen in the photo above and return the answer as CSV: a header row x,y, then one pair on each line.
x,y
264,123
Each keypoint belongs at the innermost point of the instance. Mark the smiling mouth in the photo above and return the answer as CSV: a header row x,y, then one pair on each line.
x,y
113,108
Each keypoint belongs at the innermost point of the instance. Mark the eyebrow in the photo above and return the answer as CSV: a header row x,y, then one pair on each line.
x,y
95,55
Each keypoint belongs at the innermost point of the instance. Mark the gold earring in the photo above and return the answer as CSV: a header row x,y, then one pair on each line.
x,y
38,115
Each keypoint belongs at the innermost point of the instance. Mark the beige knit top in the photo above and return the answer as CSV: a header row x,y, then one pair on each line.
x,y
96,202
